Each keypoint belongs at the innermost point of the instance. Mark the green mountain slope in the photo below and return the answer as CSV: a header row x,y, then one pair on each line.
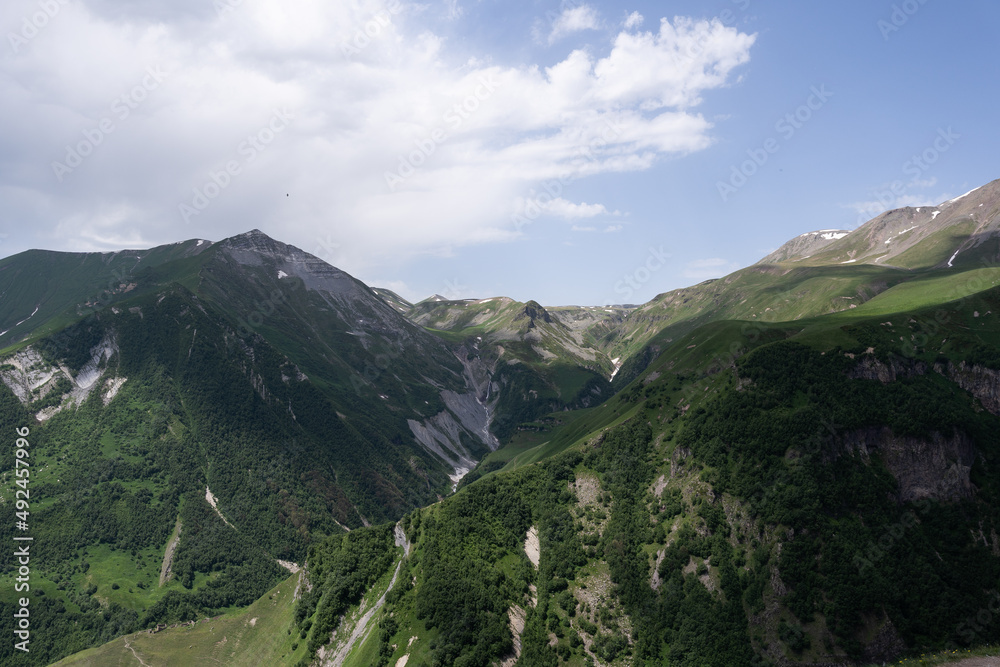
x,y
745,508
46,290
249,394
257,635
826,272
539,360
811,492
798,464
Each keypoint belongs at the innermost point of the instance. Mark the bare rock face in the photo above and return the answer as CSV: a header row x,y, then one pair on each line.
x,y
981,382
885,646
533,311
937,467
804,245
870,368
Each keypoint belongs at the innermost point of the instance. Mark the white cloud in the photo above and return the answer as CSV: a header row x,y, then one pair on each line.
x,y
610,229
633,20
578,228
895,195
562,208
454,9
574,19
873,208
371,91
703,269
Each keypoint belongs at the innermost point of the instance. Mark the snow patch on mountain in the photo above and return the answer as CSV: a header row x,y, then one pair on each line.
x,y
952,201
828,234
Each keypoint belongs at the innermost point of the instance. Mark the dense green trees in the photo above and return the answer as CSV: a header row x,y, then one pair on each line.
x,y
781,445
341,570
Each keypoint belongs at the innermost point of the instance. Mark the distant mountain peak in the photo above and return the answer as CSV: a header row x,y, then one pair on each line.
x,y
255,240
534,311
804,246
907,237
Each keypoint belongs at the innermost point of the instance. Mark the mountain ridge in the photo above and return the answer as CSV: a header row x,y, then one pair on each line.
x,y
662,459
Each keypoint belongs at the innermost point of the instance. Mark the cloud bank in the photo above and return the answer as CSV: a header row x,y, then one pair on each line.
x,y
350,129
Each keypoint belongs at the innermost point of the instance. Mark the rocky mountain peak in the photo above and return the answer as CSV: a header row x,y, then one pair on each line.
x,y
804,245
257,241
534,311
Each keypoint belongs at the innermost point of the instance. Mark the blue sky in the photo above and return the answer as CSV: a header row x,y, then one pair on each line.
x,y
574,152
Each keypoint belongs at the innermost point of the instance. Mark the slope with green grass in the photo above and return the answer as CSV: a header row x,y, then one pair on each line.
x,y
538,360
257,635
267,391
826,272
42,291
758,495
799,464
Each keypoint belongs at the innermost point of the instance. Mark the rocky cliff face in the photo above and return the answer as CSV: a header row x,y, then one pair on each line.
x,y
936,468
871,368
981,382
533,311
804,246
31,378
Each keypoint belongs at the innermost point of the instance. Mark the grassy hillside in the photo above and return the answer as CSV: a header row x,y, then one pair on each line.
x,y
538,360
798,465
256,635
180,405
826,272
744,478
747,500
43,291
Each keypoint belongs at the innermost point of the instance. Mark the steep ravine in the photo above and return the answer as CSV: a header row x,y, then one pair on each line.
x,y
364,625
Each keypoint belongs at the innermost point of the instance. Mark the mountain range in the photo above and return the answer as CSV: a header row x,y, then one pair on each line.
x,y
796,463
